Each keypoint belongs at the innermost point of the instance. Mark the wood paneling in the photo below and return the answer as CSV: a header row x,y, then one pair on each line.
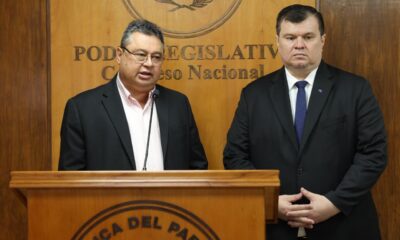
x,y
231,56
363,36
24,120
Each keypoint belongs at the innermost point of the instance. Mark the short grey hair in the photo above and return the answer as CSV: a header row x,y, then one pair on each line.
x,y
143,26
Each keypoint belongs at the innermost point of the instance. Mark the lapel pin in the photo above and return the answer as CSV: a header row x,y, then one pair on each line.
x,y
320,90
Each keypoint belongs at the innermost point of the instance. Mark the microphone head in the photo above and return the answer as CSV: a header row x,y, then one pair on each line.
x,y
155,93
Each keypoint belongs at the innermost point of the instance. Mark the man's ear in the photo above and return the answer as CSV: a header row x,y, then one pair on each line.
x,y
277,40
323,38
120,51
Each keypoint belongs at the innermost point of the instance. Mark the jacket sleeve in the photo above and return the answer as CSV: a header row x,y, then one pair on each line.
x,y
72,149
237,151
370,158
198,159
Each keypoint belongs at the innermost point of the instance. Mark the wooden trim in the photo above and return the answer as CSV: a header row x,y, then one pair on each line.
x,y
123,179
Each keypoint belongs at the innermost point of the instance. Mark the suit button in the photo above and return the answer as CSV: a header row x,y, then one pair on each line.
x,y
299,171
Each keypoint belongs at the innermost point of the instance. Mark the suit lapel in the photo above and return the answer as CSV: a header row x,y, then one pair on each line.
x,y
319,94
115,110
279,93
163,118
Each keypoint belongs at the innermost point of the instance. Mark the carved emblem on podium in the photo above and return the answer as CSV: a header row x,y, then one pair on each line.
x,y
184,18
146,220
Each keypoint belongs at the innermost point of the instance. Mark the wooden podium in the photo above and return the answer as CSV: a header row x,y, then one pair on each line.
x,y
181,205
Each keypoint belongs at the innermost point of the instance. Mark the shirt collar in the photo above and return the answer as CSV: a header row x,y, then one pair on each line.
x,y
291,80
124,92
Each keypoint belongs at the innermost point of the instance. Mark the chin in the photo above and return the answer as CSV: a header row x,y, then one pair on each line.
x,y
300,66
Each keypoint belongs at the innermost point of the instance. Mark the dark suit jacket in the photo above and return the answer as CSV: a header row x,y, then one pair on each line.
x,y
95,133
341,155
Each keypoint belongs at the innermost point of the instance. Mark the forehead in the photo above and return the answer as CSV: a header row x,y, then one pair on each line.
x,y
309,25
138,40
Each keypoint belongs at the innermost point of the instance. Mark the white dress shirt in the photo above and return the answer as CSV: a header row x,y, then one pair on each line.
x,y
138,122
291,81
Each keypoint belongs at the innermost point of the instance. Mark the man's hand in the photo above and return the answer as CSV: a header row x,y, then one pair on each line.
x,y
320,209
286,208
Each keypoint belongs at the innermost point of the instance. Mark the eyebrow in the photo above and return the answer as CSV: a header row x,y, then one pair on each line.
x,y
293,34
142,50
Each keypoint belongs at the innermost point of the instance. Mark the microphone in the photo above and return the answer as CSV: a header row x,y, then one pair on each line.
x,y
154,95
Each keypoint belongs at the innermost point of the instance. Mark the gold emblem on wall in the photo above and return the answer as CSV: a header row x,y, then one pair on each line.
x,y
195,4
184,18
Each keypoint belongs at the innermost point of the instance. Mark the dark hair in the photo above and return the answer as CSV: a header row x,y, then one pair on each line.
x,y
142,26
296,14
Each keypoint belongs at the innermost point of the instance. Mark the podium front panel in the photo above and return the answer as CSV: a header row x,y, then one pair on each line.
x,y
157,213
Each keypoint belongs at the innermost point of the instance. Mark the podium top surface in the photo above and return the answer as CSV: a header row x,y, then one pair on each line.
x,y
122,179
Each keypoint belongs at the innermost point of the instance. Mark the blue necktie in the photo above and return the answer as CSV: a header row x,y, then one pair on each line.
x,y
301,109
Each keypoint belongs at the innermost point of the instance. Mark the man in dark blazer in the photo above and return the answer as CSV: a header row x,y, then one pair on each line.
x,y
328,161
107,128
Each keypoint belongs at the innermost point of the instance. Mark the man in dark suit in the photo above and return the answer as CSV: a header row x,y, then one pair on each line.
x,y
108,128
321,127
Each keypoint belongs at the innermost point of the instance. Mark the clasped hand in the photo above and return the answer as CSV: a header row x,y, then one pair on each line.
x,y
305,215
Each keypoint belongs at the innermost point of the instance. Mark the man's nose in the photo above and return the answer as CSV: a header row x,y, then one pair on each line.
x,y
299,43
148,61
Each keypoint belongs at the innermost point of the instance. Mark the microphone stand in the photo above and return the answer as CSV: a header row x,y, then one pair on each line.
x,y
154,95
